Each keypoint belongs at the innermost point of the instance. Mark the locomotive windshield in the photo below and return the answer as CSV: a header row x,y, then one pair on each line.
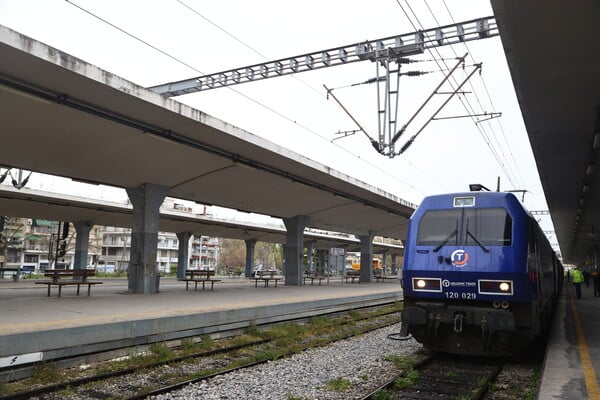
x,y
465,227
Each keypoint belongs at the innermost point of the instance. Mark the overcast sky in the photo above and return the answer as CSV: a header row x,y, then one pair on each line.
x,y
199,37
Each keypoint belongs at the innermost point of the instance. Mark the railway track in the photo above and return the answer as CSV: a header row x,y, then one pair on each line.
x,y
162,376
441,377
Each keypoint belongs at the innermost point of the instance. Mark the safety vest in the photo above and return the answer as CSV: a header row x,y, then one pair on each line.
x,y
577,276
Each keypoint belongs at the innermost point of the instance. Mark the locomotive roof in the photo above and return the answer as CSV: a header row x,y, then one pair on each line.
x,y
482,199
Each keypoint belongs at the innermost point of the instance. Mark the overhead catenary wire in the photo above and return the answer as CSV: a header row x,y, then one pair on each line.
x,y
293,121
464,101
509,171
317,91
500,147
375,144
498,121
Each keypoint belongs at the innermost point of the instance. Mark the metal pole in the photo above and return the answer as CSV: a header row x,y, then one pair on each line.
x,y
348,113
412,139
401,131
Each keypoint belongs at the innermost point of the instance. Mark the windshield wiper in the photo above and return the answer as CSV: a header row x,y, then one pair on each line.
x,y
439,246
475,239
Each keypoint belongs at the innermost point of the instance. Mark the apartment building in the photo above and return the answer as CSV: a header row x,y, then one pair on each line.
x,y
30,244
116,248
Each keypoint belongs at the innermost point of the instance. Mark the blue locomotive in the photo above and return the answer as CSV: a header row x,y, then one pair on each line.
x,y
480,276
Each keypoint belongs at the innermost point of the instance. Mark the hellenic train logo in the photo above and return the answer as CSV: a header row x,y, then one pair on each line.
x,y
459,258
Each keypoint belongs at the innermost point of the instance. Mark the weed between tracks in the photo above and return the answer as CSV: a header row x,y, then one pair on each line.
x,y
339,384
515,383
282,340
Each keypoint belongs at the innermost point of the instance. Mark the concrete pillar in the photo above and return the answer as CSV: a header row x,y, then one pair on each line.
x,y
322,260
309,245
394,268
294,249
82,241
183,253
250,247
142,273
366,258
384,265
283,268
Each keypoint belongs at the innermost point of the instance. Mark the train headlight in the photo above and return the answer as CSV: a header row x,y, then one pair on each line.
x,y
489,286
427,284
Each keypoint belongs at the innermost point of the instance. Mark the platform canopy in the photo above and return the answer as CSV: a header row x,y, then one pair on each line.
x,y
552,51
62,116
30,203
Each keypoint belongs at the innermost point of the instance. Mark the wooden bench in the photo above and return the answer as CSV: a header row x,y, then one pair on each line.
x,y
266,280
199,276
313,277
79,278
7,269
265,276
383,278
351,275
198,280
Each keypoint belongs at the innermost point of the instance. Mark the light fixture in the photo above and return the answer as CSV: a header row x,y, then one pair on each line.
x,y
3,176
19,184
589,169
596,144
586,188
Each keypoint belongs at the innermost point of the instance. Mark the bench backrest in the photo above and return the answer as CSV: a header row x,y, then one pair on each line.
x,y
70,272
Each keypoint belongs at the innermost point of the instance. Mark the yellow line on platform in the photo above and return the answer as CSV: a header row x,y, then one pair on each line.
x,y
591,383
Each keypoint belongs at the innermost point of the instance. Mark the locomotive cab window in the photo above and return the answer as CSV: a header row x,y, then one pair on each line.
x,y
465,227
437,226
489,226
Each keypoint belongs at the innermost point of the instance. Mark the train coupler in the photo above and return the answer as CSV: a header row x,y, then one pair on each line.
x,y
458,322
487,336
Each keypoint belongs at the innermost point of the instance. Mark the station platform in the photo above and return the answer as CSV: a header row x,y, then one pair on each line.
x,y
35,327
572,361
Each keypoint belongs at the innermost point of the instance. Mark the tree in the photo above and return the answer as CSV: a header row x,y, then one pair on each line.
x,y
11,236
232,253
269,255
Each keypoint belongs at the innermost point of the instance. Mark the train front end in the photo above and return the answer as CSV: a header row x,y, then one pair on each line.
x,y
465,273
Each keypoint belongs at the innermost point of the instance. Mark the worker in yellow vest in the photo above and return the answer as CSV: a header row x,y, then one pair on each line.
x,y
577,281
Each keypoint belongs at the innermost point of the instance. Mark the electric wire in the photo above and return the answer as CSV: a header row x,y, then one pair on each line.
x,y
321,95
240,41
293,121
315,90
487,137
188,65
132,36
468,107
489,97
471,110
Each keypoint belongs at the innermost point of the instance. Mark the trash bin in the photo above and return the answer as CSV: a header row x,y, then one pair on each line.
x,y
15,278
157,282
